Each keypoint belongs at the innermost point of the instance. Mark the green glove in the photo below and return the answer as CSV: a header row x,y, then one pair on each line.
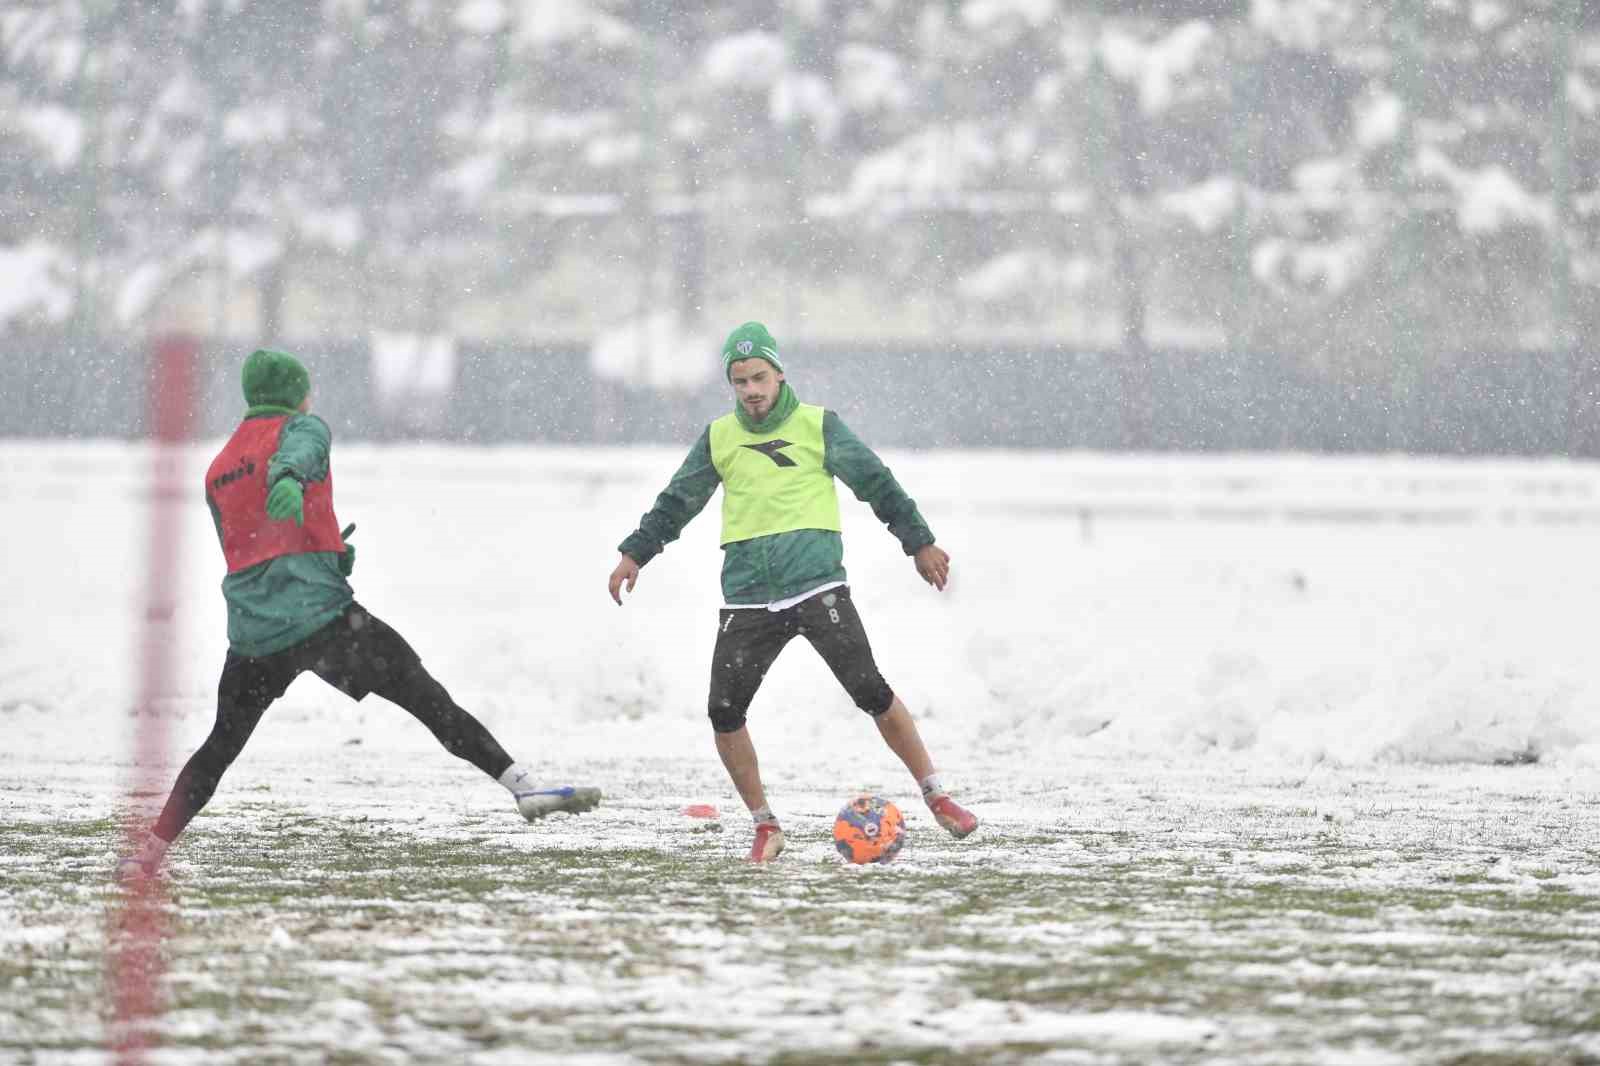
x,y
287,500
347,561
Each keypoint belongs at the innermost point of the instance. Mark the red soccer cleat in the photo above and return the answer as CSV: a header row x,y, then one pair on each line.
x,y
956,819
768,844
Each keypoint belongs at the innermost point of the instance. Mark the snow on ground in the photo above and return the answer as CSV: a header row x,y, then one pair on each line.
x,y
1295,609
1280,759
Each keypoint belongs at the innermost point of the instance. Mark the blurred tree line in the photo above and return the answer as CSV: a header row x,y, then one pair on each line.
x,y
1373,190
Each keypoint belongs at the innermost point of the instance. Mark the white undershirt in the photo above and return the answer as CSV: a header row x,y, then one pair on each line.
x,y
783,605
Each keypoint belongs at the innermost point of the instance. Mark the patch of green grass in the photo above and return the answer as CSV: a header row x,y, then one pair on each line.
x,y
271,924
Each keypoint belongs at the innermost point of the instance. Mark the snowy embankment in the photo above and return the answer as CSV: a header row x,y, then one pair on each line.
x,y
1292,609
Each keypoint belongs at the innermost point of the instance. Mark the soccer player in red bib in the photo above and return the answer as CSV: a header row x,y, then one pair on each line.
x,y
291,608
783,564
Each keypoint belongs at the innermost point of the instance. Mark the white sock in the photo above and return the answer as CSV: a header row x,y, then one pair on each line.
x,y
517,779
763,814
931,788
152,849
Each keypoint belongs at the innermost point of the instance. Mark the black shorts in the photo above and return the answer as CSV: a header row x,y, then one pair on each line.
x,y
356,653
750,638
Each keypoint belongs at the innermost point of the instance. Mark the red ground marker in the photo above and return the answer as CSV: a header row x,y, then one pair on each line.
x,y
138,921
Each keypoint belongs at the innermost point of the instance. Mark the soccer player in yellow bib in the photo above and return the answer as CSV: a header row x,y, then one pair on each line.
x,y
783,564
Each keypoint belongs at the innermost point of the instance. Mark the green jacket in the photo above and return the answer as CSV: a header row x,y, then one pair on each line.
x,y
771,568
277,604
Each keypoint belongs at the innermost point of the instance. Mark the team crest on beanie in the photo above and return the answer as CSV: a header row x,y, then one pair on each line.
x,y
750,341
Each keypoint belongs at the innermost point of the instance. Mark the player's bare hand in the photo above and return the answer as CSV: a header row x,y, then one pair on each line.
x,y
933,563
627,572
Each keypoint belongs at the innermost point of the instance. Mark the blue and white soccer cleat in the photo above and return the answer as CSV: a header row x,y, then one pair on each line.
x,y
536,804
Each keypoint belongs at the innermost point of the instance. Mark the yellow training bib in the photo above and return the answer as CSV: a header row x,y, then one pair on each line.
x,y
774,482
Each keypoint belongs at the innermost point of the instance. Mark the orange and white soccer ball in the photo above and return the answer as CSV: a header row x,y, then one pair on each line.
x,y
869,829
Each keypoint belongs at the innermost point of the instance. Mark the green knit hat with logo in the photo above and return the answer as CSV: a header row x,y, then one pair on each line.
x,y
749,341
274,379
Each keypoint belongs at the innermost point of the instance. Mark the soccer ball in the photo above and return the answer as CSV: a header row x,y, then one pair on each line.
x,y
869,829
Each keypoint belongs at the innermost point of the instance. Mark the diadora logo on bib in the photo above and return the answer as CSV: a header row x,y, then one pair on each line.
x,y
773,449
244,469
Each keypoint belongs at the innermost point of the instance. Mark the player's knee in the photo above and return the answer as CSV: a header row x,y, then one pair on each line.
x,y
726,717
873,696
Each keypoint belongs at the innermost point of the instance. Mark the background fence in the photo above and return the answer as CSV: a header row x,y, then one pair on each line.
x,y
916,396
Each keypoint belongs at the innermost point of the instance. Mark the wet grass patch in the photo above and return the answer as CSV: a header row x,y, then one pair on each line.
x,y
630,933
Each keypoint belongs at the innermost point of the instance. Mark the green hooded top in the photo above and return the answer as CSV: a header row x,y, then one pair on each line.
x,y
279,603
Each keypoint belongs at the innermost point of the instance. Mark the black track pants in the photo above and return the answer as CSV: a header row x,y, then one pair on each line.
x,y
355,653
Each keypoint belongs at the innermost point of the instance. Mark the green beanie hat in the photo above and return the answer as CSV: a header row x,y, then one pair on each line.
x,y
749,341
274,379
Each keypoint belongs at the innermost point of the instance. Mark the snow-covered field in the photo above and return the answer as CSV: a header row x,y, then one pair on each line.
x,y
1280,759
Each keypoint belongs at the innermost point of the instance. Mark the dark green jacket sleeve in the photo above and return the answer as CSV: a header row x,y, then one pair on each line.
x,y
858,466
302,450
684,497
